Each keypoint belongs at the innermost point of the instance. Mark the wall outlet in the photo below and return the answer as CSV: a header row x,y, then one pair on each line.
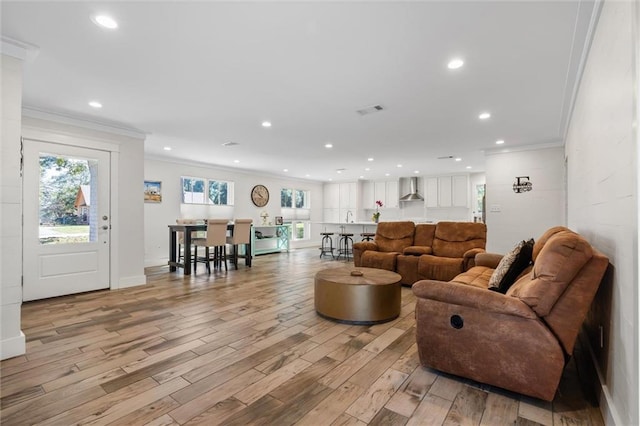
x,y
495,208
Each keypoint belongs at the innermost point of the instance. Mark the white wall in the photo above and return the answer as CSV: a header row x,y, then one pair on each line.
x,y
602,153
12,340
528,214
159,215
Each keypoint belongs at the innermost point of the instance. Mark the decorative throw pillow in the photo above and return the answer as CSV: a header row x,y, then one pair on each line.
x,y
511,265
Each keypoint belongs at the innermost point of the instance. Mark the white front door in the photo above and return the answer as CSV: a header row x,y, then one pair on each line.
x,y
66,222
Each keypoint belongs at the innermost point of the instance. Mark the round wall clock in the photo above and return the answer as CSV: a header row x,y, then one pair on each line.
x,y
260,195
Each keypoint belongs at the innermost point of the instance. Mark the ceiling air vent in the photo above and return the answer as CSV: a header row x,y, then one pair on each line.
x,y
230,144
370,110
446,157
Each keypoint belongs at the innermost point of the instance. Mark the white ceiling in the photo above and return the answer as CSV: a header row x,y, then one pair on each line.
x,y
194,75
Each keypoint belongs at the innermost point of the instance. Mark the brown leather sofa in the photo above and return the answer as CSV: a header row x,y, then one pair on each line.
x,y
424,251
520,340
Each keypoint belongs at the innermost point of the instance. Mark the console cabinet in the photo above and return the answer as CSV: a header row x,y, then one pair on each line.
x,y
275,238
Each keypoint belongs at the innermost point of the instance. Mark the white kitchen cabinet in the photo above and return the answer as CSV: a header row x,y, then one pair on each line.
x,y
444,191
447,191
431,192
368,195
348,195
331,196
380,192
460,191
391,196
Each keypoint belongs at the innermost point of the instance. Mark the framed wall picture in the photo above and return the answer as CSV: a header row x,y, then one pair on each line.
x,y
278,220
152,191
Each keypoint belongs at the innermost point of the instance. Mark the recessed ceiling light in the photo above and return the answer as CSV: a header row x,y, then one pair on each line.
x,y
454,64
167,148
105,21
499,142
399,165
416,171
361,177
95,104
366,169
328,145
236,161
468,167
370,159
458,159
484,115
387,174
285,170
307,175
266,124
330,179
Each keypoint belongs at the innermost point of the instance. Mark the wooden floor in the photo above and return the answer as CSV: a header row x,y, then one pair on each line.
x,y
243,347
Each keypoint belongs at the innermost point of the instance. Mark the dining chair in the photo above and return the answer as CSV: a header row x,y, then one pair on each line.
x,y
181,235
216,238
241,235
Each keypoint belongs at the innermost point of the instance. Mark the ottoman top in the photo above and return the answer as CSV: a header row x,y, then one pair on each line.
x,y
370,276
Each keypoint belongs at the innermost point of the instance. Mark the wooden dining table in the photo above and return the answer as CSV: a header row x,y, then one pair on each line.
x,y
187,230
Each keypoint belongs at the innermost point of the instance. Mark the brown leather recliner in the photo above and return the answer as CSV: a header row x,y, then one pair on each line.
x,y
454,247
390,240
520,340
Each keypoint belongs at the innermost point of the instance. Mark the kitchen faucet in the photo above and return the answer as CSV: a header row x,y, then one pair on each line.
x,y
348,213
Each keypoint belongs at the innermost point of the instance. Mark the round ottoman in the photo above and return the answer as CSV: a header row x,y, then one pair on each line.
x,y
357,295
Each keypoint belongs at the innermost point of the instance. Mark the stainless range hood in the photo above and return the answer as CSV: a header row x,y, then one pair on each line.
x,y
413,191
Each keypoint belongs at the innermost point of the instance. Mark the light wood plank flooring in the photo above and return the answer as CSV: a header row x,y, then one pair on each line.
x,y
243,347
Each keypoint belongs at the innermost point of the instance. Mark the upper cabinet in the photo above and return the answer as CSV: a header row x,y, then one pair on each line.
x,y
348,195
339,198
392,196
331,195
385,191
447,191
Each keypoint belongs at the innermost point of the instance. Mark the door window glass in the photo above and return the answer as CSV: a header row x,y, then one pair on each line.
x,y
68,200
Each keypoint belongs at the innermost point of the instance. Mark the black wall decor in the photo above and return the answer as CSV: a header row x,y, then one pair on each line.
x,y
522,184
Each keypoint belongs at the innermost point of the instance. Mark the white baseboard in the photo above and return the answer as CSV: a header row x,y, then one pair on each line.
x,y
126,282
158,261
608,409
13,347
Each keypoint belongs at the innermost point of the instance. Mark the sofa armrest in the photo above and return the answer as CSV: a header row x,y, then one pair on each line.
x,y
490,260
473,297
359,248
365,245
417,250
469,258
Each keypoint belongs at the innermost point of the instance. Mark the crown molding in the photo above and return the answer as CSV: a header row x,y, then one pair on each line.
x,y
19,49
82,122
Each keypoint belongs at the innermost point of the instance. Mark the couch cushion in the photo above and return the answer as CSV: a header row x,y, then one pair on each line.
x,y
424,234
453,239
510,266
543,239
557,263
439,268
394,236
380,260
478,276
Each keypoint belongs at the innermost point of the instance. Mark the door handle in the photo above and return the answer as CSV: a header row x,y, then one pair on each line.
x,y
105,227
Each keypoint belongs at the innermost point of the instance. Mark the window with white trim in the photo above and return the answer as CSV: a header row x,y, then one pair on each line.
x,y
206,191
295,209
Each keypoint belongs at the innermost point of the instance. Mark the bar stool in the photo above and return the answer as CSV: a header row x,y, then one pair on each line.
x,y
367,236
326,246
343,245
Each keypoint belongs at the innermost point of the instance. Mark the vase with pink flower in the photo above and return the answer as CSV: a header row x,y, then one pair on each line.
x,y
376,216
